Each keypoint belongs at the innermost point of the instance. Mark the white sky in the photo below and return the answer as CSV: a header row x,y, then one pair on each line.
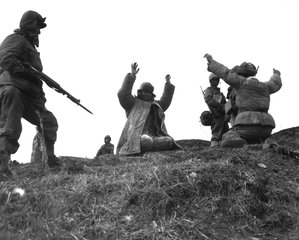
x,y
88,47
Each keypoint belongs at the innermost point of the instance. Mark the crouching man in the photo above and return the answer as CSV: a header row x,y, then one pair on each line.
x,y
145,129
253,123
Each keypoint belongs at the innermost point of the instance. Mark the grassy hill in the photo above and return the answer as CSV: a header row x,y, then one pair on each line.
x,y
195,193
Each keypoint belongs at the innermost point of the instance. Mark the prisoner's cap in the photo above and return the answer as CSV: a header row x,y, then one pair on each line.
x,y
247,69
147,87
31,16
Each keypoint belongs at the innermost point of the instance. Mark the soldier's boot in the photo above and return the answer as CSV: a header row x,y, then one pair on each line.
x,y
54,161
5,172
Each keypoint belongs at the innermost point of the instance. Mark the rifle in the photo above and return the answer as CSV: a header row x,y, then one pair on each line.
x,y
203,93
54,85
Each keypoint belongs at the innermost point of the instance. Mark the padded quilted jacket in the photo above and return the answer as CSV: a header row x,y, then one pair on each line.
x,y
252,95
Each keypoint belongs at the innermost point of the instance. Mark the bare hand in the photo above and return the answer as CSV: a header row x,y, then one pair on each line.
x,y
208,57
134,68
276,71
167,78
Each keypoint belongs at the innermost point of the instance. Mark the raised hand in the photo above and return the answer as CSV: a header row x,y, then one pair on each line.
x,y
167,78
134,68
276,71
208,57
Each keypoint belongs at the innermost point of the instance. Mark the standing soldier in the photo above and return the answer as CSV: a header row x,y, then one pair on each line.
x,y
21,92
215,101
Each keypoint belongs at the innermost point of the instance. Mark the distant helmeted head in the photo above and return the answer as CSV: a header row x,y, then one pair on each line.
x,y
247,69
213,76
146,92
214,79
107,139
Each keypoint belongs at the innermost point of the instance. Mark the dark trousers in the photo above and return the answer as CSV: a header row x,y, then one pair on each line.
x,y
218,127
14,106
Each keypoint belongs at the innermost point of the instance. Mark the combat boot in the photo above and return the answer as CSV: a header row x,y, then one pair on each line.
x,y
5,172
54,161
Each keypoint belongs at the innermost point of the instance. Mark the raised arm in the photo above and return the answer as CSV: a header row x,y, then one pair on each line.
x,y
274,84
167,95
126,99
229,76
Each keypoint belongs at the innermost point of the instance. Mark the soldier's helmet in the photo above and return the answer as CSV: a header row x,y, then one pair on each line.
x,y
213,76
30,17
107,137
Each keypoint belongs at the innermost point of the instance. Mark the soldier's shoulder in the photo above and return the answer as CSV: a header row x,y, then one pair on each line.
x,y
14,39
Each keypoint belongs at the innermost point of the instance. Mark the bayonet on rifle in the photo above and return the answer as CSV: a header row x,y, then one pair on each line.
x,y
54,85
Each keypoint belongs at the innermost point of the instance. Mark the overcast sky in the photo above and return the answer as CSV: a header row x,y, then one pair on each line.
x,y
88,47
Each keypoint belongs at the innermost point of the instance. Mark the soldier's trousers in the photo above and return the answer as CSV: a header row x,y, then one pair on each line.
x,y
14,106
218,128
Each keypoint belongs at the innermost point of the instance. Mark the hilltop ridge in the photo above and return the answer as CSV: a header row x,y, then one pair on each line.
x,y
194,193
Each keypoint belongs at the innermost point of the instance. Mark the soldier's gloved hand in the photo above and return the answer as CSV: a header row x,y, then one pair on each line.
x,y
134,69
26,65
167,78
23,70
208,57
275,71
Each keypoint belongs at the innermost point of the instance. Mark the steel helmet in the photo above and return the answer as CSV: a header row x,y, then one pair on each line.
x,y
213,76
31,16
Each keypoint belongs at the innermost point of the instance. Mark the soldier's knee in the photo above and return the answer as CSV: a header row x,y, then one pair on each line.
x,y
49,120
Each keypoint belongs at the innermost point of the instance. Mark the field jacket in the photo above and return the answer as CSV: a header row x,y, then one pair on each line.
x,y
14,51
215,100
137,112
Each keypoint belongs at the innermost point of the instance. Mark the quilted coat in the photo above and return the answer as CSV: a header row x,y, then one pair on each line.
x,y
137,112
252,95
